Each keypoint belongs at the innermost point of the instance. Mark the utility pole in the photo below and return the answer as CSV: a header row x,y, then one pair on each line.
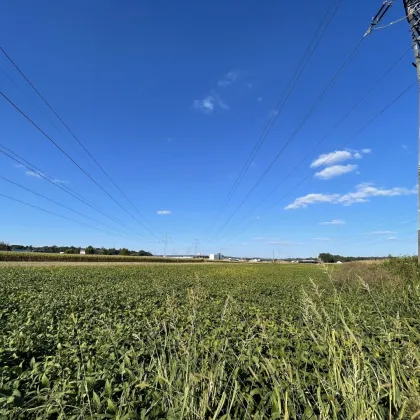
x,y
412,11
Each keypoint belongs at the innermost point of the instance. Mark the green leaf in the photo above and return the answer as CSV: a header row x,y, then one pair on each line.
x,y
111,406
45,381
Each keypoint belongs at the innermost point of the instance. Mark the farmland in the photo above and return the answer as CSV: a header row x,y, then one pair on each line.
x,y
210,341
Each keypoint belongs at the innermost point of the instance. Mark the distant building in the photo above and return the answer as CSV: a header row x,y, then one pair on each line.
x,y
308,261
217,256
83,251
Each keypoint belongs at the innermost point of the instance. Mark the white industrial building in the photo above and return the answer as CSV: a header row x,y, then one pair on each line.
x,y
217,256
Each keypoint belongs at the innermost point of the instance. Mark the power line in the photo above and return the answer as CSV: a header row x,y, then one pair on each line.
x,y
53,213
341,121
66,189
75,163
297,130
70,131
383,110
283,100
57,203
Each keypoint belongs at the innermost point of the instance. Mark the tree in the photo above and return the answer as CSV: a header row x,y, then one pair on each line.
x,y
145,254
90,250
124,251
326,258
5,247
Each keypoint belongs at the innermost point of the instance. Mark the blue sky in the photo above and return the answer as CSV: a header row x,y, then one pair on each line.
x,y
171,98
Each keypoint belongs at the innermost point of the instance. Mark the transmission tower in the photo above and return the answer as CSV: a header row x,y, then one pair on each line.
x,y
412,13
196,243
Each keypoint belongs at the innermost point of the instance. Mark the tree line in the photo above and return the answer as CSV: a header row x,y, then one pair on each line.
x,y
330,258
73,250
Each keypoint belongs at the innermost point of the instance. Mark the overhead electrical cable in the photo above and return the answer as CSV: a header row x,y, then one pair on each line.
x,y
70,131
330,132
76,164
331,83
18,159
373,119
309,52
53,213
57,203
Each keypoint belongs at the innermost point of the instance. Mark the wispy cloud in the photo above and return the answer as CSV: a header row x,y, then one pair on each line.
x,y
333,222
362,195
229,78
289,243
33,174
164,212
259,99
209,103
205,105
381,232
334,171
322,239
392,238
332,158
404,146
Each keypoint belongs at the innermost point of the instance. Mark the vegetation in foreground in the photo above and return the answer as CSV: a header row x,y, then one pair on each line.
x,y
210,341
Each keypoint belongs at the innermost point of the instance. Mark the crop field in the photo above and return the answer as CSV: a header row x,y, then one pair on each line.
x,y
41,256
206,341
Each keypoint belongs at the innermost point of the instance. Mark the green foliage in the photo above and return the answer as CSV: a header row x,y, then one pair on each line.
x,y
209,341
89,250
5,247
124,251
326,257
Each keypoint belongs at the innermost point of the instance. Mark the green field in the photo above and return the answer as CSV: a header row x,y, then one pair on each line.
x,y
210,342
42,256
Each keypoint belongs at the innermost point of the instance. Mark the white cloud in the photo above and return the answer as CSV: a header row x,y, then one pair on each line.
x,y
164,212
32,173
309,199
322,239
282,243
392,238
228,79
334,171
381,232
362,195
206,105
209,103
220,102
333,222
329,159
